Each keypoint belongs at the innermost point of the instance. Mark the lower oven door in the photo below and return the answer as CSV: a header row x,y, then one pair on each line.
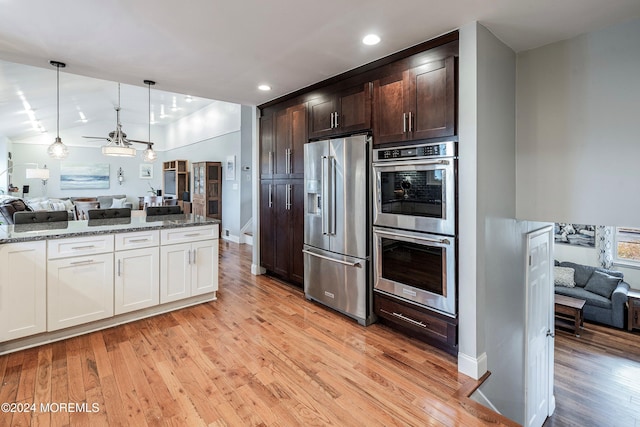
x,y
417,267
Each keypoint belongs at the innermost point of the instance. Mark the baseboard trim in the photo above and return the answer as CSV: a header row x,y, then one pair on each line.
x,y
256,270
231,238
472,366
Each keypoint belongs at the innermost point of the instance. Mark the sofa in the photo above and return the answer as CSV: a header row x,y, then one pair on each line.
x,y
76,207
604,291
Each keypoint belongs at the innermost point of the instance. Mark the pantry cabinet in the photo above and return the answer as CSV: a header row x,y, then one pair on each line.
x,y
283,134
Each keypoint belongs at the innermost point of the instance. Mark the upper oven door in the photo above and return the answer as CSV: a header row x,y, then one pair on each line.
x,y
416,195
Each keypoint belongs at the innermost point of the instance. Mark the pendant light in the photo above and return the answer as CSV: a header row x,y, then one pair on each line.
x,y
58,150
149,155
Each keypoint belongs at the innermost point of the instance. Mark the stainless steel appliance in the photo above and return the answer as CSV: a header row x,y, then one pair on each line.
x,y
336,225
414,187
418,267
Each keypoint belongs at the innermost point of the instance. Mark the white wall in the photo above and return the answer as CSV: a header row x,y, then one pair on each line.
x,y
578,127
491,242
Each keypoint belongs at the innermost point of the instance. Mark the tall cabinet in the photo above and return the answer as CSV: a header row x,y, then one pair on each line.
x,y
283,133
175,179
207,189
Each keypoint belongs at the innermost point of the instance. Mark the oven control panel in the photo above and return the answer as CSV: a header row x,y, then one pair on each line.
x,y
441,149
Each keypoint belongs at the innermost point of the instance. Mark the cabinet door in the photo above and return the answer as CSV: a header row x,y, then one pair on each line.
x,y
137,279
321,116
282,228
297,232
175,272
204,267
433,99
267,225
282,143
390,109
354,109
23,289
299,129
266,146
79,290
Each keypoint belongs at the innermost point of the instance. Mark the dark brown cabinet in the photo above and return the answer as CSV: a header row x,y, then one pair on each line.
x,y
207,189
344,112
418,103
282,138
281,222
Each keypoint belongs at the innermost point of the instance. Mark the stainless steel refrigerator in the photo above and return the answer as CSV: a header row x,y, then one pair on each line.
x,y
336,225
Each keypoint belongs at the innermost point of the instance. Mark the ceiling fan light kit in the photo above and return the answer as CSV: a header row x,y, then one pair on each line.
x,y
58,150
119,145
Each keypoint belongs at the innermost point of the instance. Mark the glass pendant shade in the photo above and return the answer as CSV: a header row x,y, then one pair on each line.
x,y
58,150
149,155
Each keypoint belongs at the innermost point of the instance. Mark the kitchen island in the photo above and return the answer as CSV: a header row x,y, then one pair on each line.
x,y
59,280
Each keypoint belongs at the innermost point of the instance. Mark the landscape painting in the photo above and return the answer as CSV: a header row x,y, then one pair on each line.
x,y
77,176
575,234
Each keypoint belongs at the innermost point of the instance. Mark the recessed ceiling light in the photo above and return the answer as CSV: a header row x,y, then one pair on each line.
x,y
371,39
264,87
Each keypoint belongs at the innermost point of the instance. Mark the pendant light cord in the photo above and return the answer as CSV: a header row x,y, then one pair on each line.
x,y
58,100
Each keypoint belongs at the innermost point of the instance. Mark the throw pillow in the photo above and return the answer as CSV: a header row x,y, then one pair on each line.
x,y
57,205
118,203
564,276
39,205
602,284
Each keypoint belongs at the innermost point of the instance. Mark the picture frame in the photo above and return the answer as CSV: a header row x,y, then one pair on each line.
x,y
74,176
575,234
230,168
146,171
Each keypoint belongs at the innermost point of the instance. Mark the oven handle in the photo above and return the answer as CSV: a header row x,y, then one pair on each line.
x,y
426,239
339,261
412,162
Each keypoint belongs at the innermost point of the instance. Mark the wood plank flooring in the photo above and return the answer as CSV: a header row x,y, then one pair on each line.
x,y
597,378
261,355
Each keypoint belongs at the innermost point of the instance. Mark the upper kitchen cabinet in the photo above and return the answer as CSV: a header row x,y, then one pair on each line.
x,y
346,111
418,103
282,137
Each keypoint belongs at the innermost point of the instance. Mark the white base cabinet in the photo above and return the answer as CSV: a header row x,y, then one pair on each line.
x,y
189,266
137,279
79,290
23,289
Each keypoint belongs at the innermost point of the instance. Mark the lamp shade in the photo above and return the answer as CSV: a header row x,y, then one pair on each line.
x,y
37,173
118,150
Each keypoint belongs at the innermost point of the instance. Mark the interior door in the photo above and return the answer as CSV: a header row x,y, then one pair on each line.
x,y
539,351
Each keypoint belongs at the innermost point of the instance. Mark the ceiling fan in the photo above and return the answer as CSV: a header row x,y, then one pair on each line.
x,y
118,144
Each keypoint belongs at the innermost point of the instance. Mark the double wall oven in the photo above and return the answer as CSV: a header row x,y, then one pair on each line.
x,y
415,224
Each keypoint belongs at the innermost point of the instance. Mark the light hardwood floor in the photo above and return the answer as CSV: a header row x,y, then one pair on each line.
x,y
597,378
261,355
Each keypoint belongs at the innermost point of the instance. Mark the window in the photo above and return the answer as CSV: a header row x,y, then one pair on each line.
x,y
627,245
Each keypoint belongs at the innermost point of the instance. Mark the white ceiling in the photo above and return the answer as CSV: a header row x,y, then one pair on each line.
x,y
224,49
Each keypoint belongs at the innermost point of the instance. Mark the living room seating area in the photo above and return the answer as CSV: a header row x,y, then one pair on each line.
x,y
604,291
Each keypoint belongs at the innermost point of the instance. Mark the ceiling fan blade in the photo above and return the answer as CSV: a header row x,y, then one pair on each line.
x,y
141,142
96,137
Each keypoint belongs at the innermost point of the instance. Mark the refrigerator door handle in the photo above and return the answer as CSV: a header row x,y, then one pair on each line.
x,y
332,201
339,261
325,198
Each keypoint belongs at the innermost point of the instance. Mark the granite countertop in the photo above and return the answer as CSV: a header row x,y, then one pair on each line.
x,y
60,230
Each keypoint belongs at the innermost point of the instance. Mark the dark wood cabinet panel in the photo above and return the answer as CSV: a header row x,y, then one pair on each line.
x,y
434,91
346,111
283,134
266,225
438,330
418,103
266,146
281,235
389,109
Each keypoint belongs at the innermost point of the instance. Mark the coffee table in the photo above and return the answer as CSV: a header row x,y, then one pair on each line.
x,y
569,312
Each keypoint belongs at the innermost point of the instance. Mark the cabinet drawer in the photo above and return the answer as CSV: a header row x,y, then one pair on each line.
x,y
432,328
188,234
138,239
79,246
